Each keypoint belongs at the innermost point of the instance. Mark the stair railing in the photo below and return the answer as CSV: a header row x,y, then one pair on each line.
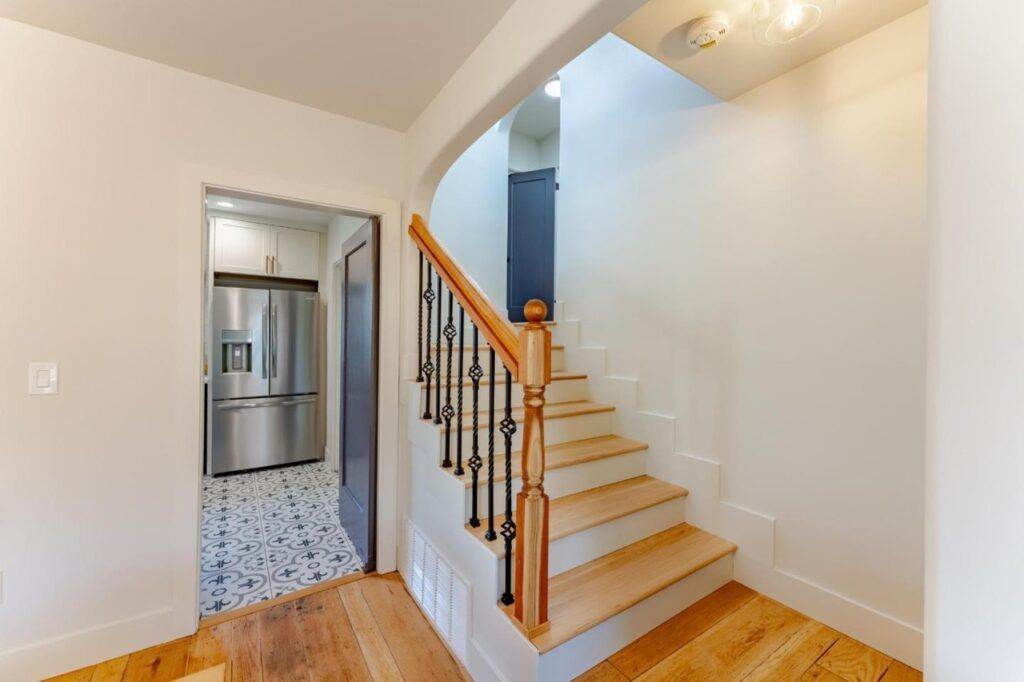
x,y
526,360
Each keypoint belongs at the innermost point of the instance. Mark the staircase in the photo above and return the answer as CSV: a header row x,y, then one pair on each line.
x,y
620,558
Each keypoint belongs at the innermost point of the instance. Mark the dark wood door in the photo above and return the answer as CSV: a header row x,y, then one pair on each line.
x,y
531,240
358,391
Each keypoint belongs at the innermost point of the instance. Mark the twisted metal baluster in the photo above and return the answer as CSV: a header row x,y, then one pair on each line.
x,y
508,526
458,402
476,372
428,366
437,388
490,534
419,326
448,412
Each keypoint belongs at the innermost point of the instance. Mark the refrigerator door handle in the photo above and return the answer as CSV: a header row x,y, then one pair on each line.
x,y
237,406
265,336
300,401
273,341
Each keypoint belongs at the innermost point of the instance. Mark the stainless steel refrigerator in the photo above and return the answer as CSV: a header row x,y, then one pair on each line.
x,y
264,378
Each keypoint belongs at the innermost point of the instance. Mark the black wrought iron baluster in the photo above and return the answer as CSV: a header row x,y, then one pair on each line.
x,y
476,372
490,534
458,401
448,412
419,326
508,526
428,366
437,356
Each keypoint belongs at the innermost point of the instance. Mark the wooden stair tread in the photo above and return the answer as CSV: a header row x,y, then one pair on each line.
x,y
556,375
588,595
573,408
561,455
580,511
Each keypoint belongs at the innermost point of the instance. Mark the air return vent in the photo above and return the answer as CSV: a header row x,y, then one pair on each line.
x,y
443,595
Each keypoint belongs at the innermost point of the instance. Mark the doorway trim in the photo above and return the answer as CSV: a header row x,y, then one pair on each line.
x,y
193,254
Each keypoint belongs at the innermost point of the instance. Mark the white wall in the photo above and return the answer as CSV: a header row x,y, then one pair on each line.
x,y
102,239
549,151
341,228
527,154
523,153
760,266
975,596
469,215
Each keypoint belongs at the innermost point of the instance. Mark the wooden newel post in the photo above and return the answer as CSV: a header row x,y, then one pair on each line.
x,y
531,551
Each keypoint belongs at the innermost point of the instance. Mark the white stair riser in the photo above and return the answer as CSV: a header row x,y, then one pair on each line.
x,y
579,548
556,431
557,361
562,391
567,480
591,647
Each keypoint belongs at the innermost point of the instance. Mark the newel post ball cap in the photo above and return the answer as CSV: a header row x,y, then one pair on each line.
x,y
535,310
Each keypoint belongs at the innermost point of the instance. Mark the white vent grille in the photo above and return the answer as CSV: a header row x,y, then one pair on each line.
x,y
444,596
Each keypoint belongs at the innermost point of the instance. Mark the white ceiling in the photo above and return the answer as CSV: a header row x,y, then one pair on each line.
x,y
739,63
537,116
281,212
380,61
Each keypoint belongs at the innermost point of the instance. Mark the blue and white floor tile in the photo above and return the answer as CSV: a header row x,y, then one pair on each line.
x,y
268,533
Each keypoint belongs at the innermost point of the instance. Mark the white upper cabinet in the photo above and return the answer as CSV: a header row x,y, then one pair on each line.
x,y
241,247
246,248
296,253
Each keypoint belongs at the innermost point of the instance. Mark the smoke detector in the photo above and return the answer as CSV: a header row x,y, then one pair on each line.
x,y
708,31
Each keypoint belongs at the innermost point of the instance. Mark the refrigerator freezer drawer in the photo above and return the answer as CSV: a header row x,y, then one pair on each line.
x,y
260,432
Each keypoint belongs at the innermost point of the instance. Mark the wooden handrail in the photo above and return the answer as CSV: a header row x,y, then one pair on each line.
x,y
498,332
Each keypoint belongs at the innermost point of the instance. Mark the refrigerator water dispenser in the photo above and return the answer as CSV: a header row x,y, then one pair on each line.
x,y
236,349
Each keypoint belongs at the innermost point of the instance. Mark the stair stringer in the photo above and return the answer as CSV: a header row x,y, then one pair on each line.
x,y
497,650
752,531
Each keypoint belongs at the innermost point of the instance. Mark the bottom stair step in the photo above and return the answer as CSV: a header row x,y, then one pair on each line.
x,y
590,594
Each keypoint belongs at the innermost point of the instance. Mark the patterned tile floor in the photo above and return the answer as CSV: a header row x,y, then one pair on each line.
x,y
267,533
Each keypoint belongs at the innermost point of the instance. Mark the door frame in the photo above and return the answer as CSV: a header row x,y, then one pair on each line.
x,y
335,346
194,256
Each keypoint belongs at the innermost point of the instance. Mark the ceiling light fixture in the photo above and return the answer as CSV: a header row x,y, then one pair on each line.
x,y
777,22
553,88
225,204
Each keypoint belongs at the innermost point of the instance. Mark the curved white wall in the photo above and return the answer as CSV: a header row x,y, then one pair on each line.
x,y
469,213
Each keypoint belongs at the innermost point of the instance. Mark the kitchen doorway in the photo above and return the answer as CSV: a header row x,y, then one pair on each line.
x,y
270,521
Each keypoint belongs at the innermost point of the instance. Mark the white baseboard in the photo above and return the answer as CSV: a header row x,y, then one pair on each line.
x,y
482,668
889,635
69,652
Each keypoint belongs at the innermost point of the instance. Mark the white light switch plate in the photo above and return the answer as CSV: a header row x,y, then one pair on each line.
x,y
43,378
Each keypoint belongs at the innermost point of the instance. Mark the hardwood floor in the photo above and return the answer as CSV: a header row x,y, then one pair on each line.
x,y
372,630
365,630
737,634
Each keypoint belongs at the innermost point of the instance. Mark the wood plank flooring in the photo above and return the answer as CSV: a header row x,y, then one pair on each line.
x,y
372,630
737,634
365,630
